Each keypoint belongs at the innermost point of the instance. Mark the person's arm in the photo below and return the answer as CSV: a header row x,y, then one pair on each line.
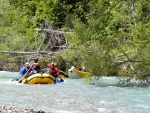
x,y
22,71
58,73
57,70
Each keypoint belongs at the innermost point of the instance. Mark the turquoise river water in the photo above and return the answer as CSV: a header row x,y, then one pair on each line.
x,y
73,96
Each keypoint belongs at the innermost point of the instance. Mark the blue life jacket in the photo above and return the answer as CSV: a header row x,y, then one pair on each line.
x,y
23,70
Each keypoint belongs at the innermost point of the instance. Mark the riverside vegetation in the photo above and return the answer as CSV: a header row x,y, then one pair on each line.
x,y
109,37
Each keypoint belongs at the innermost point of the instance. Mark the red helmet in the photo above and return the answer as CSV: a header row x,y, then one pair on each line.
x,y
51,65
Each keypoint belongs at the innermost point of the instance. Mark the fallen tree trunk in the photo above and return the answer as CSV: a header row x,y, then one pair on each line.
x,y
22,52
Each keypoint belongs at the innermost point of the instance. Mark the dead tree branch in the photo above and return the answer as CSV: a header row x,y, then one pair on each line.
x,y
26,53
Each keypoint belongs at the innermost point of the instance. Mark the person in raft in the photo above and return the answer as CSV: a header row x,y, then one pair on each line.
x,y
36,66
53,70
26,70
83,69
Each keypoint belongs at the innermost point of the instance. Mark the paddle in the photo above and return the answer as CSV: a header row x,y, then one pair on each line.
x,y
15,79
61,80
65,74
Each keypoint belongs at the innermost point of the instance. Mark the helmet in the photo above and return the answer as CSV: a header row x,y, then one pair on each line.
x,y
83,68
52,65
27,63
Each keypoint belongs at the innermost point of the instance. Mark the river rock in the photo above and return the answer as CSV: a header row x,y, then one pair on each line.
x,y
10,109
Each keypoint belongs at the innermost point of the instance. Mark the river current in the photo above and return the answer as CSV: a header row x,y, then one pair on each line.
x,y
73,96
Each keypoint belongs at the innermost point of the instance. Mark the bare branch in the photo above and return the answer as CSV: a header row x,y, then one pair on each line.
x,y
53,31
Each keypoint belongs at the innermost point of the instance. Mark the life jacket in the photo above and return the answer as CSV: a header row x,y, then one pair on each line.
x,y
27,70
52,69
37,68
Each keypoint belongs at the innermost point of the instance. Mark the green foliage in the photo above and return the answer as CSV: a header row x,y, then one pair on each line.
x,y
104,32
100,62
73,58
119,28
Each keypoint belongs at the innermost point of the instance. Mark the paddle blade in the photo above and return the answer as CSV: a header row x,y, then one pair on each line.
x,y
58,81
15,79
61,80
20,81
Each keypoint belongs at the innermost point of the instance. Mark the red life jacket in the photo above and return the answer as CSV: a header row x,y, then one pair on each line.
x,y
54,71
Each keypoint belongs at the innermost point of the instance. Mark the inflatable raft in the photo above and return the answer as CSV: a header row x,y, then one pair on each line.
x,y
40,78
73,73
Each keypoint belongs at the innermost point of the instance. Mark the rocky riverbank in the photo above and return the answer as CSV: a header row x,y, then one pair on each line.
x,y
11,109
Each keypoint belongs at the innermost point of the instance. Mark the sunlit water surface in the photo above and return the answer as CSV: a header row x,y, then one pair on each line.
x,y
73,96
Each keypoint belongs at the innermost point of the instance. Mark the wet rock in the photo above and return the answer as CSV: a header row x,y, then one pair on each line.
x,y
10,109
40,111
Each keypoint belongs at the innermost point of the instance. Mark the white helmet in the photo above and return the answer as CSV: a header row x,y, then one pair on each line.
x,y
27,63
83,68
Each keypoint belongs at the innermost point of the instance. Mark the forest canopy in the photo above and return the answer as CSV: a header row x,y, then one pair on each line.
x,y
109,37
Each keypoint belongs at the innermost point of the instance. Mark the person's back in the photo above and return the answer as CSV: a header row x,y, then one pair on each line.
x,y
36,66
